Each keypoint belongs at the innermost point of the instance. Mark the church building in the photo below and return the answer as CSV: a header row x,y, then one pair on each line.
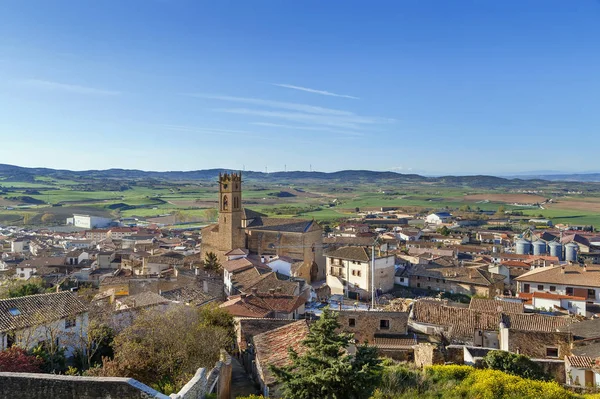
x,y
298,239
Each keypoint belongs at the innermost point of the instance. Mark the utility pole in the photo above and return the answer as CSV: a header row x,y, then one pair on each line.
x,y
373,275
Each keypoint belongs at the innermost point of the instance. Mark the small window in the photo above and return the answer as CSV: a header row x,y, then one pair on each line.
x,y
540,287
418,285
552,288
14,311
569,290
428,278
429,287
401,279
351,322
418,277
384,324
551,352
70,322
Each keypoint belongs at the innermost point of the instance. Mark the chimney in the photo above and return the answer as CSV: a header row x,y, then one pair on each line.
x,y
254,290
243,296
197,271
278,289
205,286
562,270
584,267
272,291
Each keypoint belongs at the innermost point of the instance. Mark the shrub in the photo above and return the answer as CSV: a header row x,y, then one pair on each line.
x,y
442,374
16,360
515,364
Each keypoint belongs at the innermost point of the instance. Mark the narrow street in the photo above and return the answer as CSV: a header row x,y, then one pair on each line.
x,y
241,383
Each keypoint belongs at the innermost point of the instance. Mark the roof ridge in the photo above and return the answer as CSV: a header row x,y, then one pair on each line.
x,y
37,295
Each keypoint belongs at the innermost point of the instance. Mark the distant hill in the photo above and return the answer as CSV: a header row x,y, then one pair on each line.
x,y
22,174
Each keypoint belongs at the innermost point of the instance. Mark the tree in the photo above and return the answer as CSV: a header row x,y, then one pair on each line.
x,y
515,364
211,262
48,218
501,210
16,360
25,289
325,370
211,214
445,231
164,349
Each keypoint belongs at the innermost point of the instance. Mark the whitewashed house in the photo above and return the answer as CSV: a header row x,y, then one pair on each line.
x,y
580,371
49,319
438,218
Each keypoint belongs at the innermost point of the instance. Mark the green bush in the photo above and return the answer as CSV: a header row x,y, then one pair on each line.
x,y
442,374
514,364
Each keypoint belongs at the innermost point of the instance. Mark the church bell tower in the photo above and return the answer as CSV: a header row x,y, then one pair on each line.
x,y
230,211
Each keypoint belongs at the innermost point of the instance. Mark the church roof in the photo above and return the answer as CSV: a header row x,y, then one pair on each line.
x,y
289,225
250,214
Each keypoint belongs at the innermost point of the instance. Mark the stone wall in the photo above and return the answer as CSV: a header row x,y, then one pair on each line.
x,y
554,368
534,345
364,325
427,355
43,386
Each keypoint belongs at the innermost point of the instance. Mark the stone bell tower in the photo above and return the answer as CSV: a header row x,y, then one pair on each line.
x,y
231,233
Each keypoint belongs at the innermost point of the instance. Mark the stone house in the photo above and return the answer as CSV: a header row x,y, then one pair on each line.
x,y
349,271
57,318
455,280
265,305
569,280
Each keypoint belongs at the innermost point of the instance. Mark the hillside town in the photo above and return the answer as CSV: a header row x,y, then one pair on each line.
x,y
421,290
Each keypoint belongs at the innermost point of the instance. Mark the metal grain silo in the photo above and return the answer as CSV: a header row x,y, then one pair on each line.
x,y
523,247
539,247
556,249
571,252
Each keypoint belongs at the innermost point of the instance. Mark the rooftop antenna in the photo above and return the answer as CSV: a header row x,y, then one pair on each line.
x,y
285,167
310,167
266,170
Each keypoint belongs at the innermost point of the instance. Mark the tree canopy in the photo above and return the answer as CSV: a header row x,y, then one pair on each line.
x,y
326,370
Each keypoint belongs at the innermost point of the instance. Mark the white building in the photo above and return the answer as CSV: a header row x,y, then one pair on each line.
x,y
552,302
568,280
438,218
349,271
580,371
18,245
49,319
89,222
281,265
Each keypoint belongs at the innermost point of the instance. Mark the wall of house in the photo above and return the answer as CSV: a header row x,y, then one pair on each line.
x,y
577,307
559,289
535,344
281,266
358,273
367,324
69,337
445,285
575,376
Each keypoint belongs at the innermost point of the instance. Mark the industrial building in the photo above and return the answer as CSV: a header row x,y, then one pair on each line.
x,y
90,222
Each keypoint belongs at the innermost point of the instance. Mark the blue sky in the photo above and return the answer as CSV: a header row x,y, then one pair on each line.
x,y
422,86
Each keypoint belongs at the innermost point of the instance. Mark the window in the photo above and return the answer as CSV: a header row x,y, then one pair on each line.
x,y
551,352
384,324
525,287
591,294
418,277
70,322
351,322
429,287
552,288
540,287
401,279
418,285
569,290
428,278
14,311
437,280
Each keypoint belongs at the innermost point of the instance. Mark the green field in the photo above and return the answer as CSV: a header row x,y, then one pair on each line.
x,y
323,201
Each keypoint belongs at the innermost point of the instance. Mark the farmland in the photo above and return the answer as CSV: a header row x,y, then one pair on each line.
x,y
189,201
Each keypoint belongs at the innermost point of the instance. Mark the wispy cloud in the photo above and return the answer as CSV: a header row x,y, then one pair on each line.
x,y
308,128
311,109
347,122
212,131
315,91
49,85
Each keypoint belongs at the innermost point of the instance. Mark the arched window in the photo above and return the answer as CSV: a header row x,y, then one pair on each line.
x,y
225,203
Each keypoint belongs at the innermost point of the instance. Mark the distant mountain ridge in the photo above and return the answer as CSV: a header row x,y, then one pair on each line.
x,y
18,173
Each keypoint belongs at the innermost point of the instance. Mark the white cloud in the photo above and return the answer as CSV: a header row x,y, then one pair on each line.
x,y
307,128
212,131
311,109
315,91
48,85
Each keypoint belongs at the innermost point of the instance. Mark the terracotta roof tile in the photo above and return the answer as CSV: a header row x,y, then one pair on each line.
x,y
567,274
580,362
272,347
495,306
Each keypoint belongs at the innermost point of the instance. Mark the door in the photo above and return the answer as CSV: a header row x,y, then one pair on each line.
x,y
526,288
